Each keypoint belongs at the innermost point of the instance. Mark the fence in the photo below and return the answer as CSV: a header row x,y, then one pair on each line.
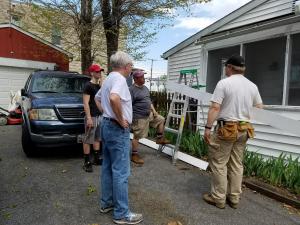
x,y
162,101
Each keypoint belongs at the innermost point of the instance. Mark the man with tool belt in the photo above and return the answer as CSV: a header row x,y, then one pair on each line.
x,y
231,104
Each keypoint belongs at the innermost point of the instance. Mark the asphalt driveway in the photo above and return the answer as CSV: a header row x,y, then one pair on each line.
x,y
52,189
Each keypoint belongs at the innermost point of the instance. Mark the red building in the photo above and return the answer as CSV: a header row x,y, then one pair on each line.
x,y
20,54
18,44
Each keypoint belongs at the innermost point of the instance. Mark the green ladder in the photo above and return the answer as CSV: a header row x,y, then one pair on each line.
x,y
186,77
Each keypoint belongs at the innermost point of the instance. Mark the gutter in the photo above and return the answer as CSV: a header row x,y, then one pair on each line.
x,y
245,30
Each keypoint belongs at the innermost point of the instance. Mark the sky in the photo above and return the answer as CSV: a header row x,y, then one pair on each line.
x,y
201,16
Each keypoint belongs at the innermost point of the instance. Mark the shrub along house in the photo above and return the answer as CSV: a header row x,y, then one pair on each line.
x,y
267,34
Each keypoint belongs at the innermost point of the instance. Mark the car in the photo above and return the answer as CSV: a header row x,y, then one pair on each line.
x,y
52,110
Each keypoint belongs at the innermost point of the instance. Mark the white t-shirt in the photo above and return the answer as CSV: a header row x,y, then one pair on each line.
x,y
237,95
115,83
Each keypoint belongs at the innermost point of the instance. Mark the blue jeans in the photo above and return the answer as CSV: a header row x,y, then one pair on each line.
x,y
115,167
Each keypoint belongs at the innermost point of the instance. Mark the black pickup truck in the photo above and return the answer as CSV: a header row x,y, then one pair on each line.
x,y
52,109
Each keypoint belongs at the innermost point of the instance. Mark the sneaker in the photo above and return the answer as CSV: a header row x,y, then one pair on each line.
x,y
132,218
209,199
162,141
106,209
87,167
97,161
137,159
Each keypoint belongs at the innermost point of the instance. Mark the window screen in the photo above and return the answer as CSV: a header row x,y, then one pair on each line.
x,y
265,67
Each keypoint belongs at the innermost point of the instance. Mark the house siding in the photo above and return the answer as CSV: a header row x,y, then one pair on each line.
x,y
268,140
267,10
20,46
187,58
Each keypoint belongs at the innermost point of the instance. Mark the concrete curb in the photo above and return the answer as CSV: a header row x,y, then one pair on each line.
x,y
265,190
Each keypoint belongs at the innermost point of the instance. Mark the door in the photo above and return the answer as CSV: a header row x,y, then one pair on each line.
x,y
11,79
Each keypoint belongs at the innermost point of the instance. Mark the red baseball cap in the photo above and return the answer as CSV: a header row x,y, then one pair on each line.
x,y
95,68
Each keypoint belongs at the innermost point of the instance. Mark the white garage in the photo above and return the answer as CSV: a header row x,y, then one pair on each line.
x,y
13,75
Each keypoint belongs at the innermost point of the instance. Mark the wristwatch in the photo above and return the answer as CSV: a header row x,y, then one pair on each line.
x,y
207,127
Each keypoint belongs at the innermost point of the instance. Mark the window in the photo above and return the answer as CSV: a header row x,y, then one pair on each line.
x,y
16,20
215,67
56,35
294,84
265,61
58,84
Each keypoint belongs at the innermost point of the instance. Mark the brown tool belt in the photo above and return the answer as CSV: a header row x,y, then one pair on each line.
x,y
228,130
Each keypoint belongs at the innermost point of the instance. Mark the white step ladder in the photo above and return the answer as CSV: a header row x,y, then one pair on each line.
x,y
173,111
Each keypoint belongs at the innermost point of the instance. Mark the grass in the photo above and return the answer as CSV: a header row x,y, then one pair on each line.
x,y
91,189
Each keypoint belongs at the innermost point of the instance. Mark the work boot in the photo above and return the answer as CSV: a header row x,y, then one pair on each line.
x,y
162,141
209,199
232,204
137,159
87,166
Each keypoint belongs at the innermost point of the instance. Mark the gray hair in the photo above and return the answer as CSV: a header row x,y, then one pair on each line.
x,y
120,59
238,69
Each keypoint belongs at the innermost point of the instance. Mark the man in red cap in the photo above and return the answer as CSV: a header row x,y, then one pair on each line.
x,y
92,118
144,115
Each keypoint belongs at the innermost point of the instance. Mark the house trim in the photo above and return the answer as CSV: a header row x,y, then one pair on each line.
x,y
243,38
287,70
10,62
218,24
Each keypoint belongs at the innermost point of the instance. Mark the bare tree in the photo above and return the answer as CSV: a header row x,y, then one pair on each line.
x,y
85,33
78,19
131,15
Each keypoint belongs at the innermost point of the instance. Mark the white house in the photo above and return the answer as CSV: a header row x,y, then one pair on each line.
x,y
267,34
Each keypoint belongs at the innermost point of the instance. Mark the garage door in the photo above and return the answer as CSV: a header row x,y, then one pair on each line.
x,y
11,79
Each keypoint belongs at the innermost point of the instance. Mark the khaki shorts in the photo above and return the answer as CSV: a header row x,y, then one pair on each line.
x,y
140,127
93,134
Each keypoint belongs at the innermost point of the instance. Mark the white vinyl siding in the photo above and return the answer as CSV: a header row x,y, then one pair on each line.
x,y
270,141
267,10
187,58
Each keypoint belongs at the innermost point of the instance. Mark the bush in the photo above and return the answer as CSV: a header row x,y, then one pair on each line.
x,y
281,171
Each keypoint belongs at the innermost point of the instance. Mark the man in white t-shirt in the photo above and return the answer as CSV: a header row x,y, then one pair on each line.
x,y
115,99
231,104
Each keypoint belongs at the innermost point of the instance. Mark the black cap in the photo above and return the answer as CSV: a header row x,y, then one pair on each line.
x,y
236,60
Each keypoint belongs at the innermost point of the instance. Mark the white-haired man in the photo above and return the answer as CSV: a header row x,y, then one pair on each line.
x,y
116,102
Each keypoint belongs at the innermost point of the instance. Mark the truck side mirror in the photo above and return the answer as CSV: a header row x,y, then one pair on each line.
x,y
23,92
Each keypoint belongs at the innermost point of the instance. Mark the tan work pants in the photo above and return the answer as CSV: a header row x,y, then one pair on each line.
x,y
226,163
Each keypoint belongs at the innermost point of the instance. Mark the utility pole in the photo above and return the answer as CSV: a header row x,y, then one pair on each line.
x,y
151,71
151,74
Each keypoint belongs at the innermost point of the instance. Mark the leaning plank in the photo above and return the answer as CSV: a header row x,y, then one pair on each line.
x,y
260,115
181,156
